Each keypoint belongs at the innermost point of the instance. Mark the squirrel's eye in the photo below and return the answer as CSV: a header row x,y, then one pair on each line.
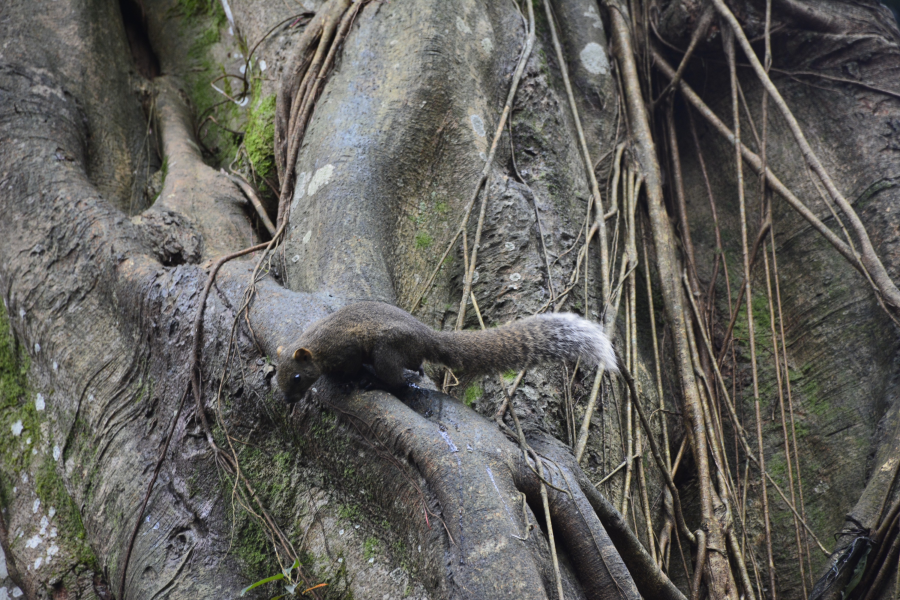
x,y
297,377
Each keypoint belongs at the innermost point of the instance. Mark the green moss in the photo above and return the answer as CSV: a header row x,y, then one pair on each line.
x,y
777,468
14,364
441,208
339,584
202,22
472,394
52,492
423,240
259,138
370,547
761,327
194,9
251,546
272,468
509,376
812,392
348,512
163,173
16,404
283,460
801,430
145,391
326,426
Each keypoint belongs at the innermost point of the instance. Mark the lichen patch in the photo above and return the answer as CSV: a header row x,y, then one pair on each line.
x,y
477,125
320,179
594,60
462,26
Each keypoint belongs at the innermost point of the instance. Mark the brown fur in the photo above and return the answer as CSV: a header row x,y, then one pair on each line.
x,y
391,340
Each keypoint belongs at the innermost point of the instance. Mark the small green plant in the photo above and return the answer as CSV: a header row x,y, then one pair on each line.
x,y
349,512
370,548
509,376
423,240
290,588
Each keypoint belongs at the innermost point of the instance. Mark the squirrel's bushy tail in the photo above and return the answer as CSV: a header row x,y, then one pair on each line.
x,y
527,343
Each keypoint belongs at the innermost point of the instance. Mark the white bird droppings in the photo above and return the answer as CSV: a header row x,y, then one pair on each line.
x,y
57,452
594,59
295,259
307,237
36,506
477,125
17,428
262,65
487,44
33,542
39,403
37,348
320,179
52,512
38,563
515,277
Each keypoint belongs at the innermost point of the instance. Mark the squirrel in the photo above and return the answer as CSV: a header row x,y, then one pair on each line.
x,y
391,340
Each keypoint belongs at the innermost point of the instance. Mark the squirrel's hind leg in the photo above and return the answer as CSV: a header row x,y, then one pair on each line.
x,y
388,366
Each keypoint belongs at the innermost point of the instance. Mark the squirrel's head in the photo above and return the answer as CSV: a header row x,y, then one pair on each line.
x,y
296,373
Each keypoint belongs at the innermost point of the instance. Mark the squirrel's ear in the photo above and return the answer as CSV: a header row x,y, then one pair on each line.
x,y
302,355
